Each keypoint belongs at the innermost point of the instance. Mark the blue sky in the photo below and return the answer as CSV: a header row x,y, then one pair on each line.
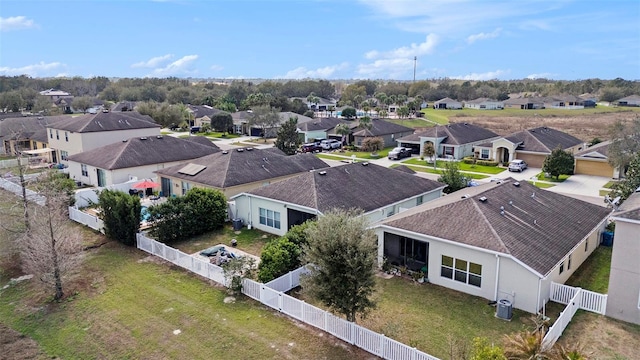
x,y
329,39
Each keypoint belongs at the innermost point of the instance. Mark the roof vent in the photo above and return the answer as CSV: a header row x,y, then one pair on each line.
x,y
516,184
225,152
143,138
533,194
124,140
483,199
249,149
158,136
365,163
502,212
322,173
240,150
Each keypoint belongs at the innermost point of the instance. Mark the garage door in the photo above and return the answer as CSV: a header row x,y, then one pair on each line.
x,y
595,168
531,159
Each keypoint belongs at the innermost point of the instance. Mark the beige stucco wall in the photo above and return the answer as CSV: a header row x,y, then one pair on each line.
x,y
623,302
117,176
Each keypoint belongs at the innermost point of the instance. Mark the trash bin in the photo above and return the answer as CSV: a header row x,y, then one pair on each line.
x,y
237,224
607,238
504,310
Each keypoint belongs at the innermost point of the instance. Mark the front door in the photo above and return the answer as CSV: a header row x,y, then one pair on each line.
x,y
505,155
102,178
166,187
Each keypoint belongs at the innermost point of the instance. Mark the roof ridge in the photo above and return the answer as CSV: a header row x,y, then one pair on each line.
x,y
315,190
493,231
529,133
225,171
122,150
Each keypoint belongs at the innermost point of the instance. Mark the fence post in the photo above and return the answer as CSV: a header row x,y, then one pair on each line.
x,y
382,341
414,354
352,332
604,304
280,301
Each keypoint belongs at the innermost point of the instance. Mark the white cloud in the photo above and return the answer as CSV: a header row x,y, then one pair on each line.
x,y
398,62
180,66
153,62
483,76
319,73
215,67
412,50
540,76
16,23
39,69
484,36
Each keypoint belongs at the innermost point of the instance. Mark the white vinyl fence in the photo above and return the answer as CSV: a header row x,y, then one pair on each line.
x,y
575,299
86,197
83,218
17,189
272,295
12,163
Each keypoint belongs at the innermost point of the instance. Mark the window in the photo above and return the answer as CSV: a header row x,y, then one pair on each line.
x,y
84,170
448,150
485,154
569,263
57,135
66,136
270,218
419,200
461,270
586,245
185,187
561,267
50,133
63,155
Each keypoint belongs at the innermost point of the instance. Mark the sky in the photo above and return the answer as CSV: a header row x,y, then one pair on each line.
x,y
322,39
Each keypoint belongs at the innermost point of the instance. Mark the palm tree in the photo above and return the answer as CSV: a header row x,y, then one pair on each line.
x,y
313,99
357,100
365,123
526,346
382,113
344,130
366,108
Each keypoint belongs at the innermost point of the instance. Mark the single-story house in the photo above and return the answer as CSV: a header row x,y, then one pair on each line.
x,y
28,135
526,103
531,145
388,131
447,103
563,102
136,157
631,100
595,161
377,190
455,140
484,104
500,240
236,171
319,128
201,114
623,302
242,120
124,106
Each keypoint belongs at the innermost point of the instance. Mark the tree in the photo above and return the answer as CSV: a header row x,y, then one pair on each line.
x,y
631,182
625,142
11,101
452,177
344,130
309,113
121,215
349,113
288,139
372,144
51,247
429,150
236,270
526,346
483,350
365,123
343,251
403,111
559,162
313,99
222,122
82,103
265,118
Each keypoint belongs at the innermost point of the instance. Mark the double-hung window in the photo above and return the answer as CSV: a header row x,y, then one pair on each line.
x,y
270,218
84,170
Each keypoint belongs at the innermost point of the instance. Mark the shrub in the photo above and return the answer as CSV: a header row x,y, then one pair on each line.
x,y
278,257
469,160
121,215
489,162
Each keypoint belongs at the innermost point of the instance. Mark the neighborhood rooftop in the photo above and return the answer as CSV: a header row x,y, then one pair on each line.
x,y
535,226
381,127
359,185
543,139
454,134
106,121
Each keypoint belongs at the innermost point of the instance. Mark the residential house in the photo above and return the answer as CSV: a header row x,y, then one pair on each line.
x,y
86,132
531,145
525,103
594,161
201,114
484,104
124,106
24,134
378,191
241,122
447,103
323,104
54,94
589,100
500,240
570,102
455,140
236,171
135,157
319,128
623,302
631,100
388,131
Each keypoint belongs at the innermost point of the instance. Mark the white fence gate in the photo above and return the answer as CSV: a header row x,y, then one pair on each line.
x,y
83,218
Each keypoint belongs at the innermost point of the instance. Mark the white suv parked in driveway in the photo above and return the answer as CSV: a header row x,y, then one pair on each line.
x,y
330,144
518,165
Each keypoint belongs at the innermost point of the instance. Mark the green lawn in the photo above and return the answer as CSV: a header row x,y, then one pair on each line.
x,y
412,123
560,179
441,117
604,192
461,165
251,241
431,170
131,308
367,155
541,185
609,184
453,114
593,274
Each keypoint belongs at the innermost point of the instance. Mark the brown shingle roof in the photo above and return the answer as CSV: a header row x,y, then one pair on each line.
x,y
543,140
596,151
381,127
106,121
455,134
140,151
537,230
28,127
360,185
232,168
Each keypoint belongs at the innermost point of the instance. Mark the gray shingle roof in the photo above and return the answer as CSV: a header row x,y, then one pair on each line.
x,y
106,121
28,127
455,134
367,187
202,140
543,140
320,124
381,127
203,110
232,168
599,150
630,208
140,151
538,230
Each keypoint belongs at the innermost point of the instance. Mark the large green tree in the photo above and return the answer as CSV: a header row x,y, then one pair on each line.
x,y
559,162
121,215
278,257
82,103
452,176
288,139
342,249
349,113
625,141
222,122
631,182
264,117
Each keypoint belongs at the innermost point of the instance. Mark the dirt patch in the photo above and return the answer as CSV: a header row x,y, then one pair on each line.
x,y
14,346
584,127
604,338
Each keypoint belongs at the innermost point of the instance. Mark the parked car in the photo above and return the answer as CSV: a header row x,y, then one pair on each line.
x,y
311,147
518,165
330,144
399,153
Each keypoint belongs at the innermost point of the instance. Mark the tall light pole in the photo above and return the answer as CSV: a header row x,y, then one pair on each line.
x,y
415,61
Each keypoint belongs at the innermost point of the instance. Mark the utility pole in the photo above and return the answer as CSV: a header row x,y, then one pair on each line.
x,y
415,61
